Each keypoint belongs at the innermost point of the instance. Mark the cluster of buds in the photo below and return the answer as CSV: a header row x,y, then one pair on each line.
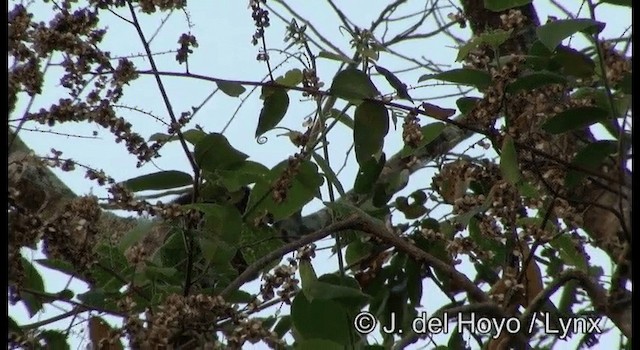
x,y
261,19
282,185
186,41
283,279
411,133
306,253
311,81
514,19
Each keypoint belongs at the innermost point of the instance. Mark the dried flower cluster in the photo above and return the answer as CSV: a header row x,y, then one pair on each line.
x,y
468,246
186,41
283,279
151,6
72,235
193,321
306,253
311,82
261,19
411,133
486,111
513,19
76,34
616,65
285,181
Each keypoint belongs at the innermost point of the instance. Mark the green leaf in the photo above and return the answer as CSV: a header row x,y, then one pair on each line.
x,y
58,265
399,86
98,297
626,3
239,296
625,83
304,187
353,84
192,136
535,80
414,210
569,252
173,251
319,290
455,340
134,235
414,272
494,39
465,49
509,161
384,191
527,190
290,78
335,57
33,281
113,259
538,49
487,244
268,238
159,181
324,319
341,117
466,104
501,5
601,99
590,158
568,297
66,294
215,251
283,326
54,339
307,278
553,33
464,76
368,174
371,125
430,132
220,221
248,173
214,152
328,173
318,344
231,88
574,118
351,298
13,326
573,62
166,274
357,250
162,137
268,322
276,103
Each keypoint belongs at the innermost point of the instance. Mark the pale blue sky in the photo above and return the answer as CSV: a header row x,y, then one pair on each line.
x,y
224,33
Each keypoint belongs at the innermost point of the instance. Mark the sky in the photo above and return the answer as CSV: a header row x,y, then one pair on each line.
x,y
223,33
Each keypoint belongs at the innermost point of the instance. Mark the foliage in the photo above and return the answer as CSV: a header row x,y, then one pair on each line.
x,y
496,235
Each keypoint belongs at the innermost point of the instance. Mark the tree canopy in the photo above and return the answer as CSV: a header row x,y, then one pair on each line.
x,y
373,175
